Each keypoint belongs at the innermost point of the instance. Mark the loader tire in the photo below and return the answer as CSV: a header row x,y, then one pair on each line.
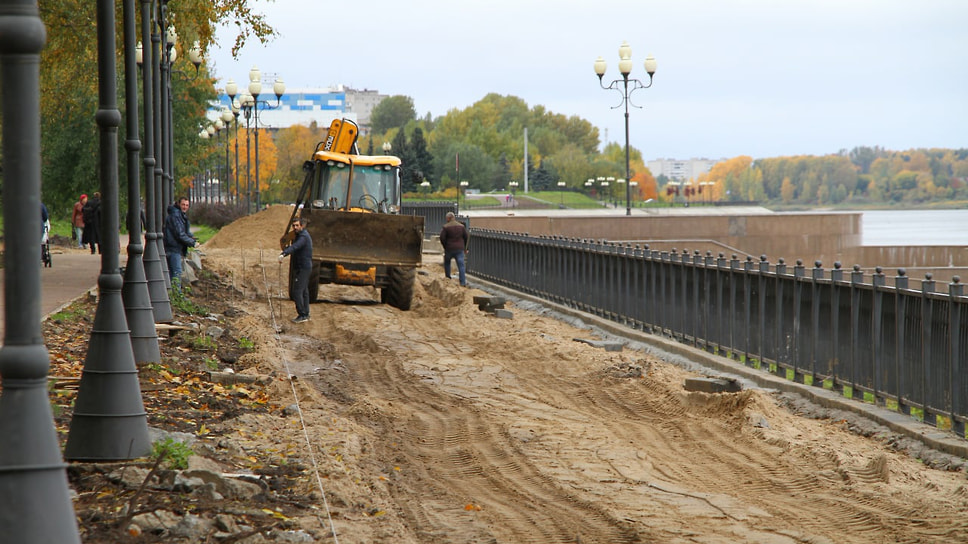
x,y
399,293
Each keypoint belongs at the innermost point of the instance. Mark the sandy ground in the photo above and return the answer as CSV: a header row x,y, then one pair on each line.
x,y
445,424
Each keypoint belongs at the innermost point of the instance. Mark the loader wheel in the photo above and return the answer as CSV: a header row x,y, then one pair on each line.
x,y
399,293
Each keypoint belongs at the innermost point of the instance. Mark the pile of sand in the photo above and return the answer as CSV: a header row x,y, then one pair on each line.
x,y
258,231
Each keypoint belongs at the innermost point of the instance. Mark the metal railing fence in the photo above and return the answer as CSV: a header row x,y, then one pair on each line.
x,y
434,213
903,348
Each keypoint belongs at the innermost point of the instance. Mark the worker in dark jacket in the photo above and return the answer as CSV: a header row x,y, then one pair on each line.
x,y
454,237
301,250
178,238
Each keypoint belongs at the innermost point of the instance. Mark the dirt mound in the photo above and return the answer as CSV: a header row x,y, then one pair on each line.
x,y
258,231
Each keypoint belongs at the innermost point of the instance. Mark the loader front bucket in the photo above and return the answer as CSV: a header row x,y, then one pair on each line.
x,y
365,238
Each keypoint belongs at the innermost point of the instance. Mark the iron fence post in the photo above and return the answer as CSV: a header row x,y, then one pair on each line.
x,y
958,381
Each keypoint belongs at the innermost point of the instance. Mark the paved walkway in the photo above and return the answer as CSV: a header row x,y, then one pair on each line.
x,y
73,273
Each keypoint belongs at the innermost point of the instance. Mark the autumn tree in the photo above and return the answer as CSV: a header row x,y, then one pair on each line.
x,y
69,90
787,191
294,146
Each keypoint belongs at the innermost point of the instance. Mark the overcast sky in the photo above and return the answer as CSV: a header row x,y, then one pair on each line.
x,y
762,78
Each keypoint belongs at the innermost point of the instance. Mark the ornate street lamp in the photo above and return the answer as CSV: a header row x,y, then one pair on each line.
x,y
134,292
108,426
226,117
625,67
561,193
155,270
232,90
463,192
255,89
707,185
387,148
35,498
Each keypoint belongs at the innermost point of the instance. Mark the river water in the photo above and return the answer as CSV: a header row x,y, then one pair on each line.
x,y
915,227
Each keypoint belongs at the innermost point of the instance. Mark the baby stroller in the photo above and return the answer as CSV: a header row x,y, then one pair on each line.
x,y
45,246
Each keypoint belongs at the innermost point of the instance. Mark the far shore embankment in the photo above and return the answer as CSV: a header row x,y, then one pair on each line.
x,y
825,236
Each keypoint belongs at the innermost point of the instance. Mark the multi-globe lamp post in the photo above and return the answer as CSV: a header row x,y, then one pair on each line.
x,y
253,102
625,68
561,193
606,194
226,117
34,492
463,192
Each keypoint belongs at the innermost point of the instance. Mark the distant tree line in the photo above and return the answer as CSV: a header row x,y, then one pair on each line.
x,y
863,175
482,144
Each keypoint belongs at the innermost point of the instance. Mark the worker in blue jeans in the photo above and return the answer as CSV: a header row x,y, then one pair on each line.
x,y
454,237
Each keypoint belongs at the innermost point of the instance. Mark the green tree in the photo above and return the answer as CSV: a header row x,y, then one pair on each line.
x,y
69,91
423,161
392,112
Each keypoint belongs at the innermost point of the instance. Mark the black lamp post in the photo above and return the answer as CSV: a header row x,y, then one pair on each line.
x,y
134,292
253,103
154,272
247,112
625,67
110,426
226,117
513,185
236,108
232,90
34,494
165,176
203,181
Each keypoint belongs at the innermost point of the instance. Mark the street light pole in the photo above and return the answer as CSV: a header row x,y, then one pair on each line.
x,y
108,426
255,88
625,67
247,112
463,192
134,292
35,501
154,271
513,185
561,193
227,120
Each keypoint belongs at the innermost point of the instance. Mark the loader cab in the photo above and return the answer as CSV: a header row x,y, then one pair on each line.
x,y
358,183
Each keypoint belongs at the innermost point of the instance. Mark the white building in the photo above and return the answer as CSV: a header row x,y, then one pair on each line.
x,y
682,170
304,106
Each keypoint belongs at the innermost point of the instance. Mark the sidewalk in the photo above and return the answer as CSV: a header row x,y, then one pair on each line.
x,y
73,273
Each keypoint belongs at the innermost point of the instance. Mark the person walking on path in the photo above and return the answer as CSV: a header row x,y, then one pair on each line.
x,y
301,250
91,212
454,237
77,221
178,238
